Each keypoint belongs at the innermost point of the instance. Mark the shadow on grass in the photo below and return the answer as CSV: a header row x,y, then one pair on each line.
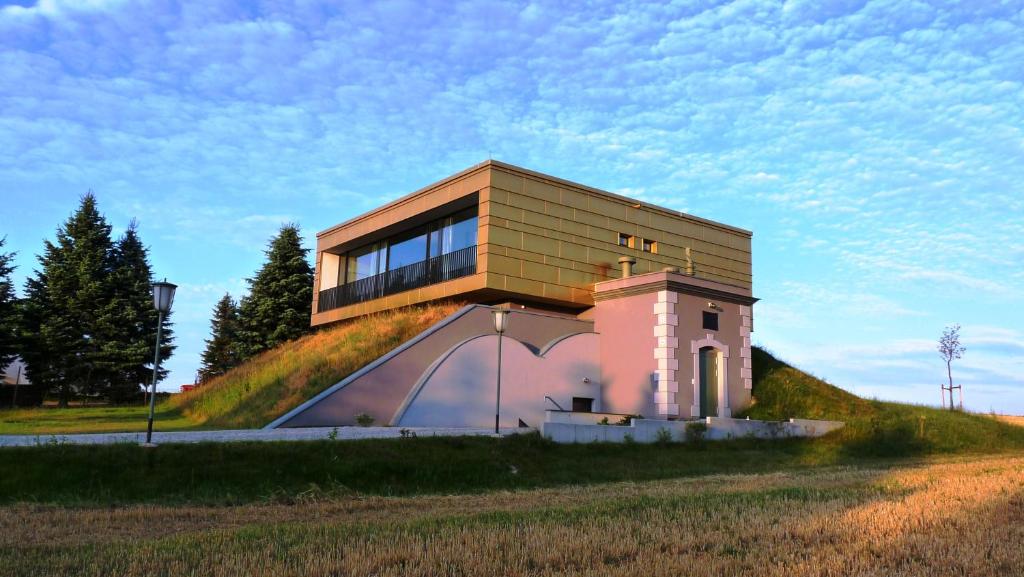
x,y
232,473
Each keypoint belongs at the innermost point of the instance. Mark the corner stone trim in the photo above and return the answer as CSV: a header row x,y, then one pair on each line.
x,y
665,322
746,327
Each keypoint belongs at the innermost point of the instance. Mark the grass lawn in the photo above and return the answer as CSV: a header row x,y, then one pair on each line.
x,y
234,473
953,516
46,421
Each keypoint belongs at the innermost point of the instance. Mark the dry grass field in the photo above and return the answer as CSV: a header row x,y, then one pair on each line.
x,y
1012,419
957,516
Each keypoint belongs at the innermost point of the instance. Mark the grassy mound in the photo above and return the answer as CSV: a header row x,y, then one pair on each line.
x,y
872,427
278,380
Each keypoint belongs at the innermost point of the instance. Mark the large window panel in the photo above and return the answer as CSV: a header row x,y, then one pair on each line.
x,y
365,261
407,249
454,233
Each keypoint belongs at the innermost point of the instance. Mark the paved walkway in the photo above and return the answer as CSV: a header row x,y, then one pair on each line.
x,y
339,433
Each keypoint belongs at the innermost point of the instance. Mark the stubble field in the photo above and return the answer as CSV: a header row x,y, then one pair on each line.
x,y
957,516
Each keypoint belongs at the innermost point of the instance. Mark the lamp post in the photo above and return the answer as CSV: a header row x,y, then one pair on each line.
x,y
163,296
500,324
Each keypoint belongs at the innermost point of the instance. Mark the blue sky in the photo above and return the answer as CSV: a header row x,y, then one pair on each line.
x,y
875,148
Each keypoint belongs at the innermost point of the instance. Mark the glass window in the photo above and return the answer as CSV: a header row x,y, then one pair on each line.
x,y
443,236
410,248
649,245
710,321
454,233
365,261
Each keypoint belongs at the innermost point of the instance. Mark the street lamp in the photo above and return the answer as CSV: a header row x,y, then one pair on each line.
x,y
163,296
500,324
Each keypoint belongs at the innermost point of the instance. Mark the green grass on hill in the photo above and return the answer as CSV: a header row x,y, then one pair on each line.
x,y
872,427
279,380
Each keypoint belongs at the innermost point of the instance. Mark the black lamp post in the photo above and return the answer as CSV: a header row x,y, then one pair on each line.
x,y
163,296
500,324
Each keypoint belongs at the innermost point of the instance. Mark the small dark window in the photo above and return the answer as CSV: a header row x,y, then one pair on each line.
x,y
625,240
710,321
649,245
582,405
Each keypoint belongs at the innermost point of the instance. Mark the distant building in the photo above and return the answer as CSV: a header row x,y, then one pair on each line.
x,y
618,306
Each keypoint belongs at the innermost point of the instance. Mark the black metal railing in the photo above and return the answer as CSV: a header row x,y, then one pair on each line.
x,y
449,266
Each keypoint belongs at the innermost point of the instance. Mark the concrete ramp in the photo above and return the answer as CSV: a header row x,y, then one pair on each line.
x,y
380,388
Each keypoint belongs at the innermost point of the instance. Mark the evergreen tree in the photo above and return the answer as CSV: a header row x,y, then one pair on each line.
x,y
65,301
8,310
277,308
222,349
129,321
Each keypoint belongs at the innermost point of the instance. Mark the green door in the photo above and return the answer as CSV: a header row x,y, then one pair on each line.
x,y
708,358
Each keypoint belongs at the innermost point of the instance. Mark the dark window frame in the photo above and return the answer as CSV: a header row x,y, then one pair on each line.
x,y
709,320
579,402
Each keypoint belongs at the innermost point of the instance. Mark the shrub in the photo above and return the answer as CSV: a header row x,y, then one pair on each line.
x,y
364,420
695,432
663,437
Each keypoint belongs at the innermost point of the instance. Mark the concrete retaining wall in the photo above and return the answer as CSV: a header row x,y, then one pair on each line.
x,y
565,430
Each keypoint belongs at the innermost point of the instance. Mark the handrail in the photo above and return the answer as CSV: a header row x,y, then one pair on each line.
x,y
441,268
555,403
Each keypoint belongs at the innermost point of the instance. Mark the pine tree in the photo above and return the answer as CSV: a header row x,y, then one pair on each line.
x,y
129,321
222,349
66,300
8,309
277,308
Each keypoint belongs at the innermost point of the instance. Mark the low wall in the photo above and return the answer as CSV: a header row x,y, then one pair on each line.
x,y
582,418
566,430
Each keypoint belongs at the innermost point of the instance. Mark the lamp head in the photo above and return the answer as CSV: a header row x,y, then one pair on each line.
x,y
500,320
163,295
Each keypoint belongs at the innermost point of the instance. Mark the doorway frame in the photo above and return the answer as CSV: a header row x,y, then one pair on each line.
x,y
723,375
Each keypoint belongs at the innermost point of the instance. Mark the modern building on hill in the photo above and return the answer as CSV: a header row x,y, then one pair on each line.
x,y
617,306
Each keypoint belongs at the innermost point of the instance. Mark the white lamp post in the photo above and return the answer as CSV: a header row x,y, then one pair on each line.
x,y
163,296
500,324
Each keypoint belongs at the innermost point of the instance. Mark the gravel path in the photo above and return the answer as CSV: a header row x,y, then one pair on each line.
x,y
339,433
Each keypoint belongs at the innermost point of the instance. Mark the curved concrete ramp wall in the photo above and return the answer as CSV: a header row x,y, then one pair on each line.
x,y
459,391
380,388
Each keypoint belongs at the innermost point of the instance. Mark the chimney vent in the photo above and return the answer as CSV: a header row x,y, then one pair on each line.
x,y
627,263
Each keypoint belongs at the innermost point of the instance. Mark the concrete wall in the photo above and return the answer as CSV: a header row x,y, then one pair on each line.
x,y
718,429
627,354
460,391
380,390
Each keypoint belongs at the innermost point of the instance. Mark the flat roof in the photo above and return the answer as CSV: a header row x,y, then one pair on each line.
x,y
535,174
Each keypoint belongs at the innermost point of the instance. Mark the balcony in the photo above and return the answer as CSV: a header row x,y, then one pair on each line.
x,y
442,268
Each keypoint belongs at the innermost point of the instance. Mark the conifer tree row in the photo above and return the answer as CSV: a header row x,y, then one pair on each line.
x,y
8,309
88,323
222,348
275,311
